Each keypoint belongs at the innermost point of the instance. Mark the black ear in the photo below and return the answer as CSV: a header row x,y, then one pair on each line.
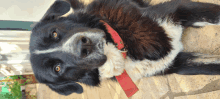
x,y
76,4
66,89
58,8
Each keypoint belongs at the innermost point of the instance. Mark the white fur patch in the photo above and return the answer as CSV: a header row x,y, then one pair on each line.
x,y
46,51
205,23
66,47
202,24
114,65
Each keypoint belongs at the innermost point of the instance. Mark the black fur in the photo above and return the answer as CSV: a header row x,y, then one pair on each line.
x,y
141,35
185,12
134,21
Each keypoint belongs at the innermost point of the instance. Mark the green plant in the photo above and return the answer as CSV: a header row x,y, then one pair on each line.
x,y
6,96
15,87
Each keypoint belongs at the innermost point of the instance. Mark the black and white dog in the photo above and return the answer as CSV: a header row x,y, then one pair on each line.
x,y
69,47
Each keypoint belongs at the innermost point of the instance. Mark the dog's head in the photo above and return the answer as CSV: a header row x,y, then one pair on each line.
x,y
65,51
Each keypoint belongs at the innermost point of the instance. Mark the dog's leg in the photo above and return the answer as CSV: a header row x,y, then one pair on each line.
x,y
194,63
185,13
198,14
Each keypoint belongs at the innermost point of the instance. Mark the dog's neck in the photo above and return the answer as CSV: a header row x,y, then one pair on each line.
x,y
114,65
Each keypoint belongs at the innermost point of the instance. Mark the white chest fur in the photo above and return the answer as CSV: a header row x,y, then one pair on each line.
x,y
115,63
137,69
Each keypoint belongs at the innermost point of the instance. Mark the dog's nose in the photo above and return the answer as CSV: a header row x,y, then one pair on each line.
x,y
84,40
86,46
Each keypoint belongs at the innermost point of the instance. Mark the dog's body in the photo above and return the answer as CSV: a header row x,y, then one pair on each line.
x,y
76,47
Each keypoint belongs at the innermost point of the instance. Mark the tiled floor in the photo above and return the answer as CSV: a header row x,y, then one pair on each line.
x,y
166,87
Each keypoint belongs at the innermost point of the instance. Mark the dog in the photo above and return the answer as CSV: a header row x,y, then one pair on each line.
x,y
72,43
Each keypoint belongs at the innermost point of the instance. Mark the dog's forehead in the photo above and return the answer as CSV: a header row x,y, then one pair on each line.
x,y
43,26
42,30
63,25
44,63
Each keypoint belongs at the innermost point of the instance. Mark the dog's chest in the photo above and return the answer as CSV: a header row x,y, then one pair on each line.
x,y
137,69
146,68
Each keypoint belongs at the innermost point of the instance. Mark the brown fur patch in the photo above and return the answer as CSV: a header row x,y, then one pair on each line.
x,y
143,37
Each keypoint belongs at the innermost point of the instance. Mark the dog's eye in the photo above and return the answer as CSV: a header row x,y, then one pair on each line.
x,y
57,68
55,35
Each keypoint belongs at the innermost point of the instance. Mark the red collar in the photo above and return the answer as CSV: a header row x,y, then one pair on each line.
x,y
124,80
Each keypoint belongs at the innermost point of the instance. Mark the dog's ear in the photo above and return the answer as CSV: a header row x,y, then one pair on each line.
x,y
66,89
76,4
58,8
